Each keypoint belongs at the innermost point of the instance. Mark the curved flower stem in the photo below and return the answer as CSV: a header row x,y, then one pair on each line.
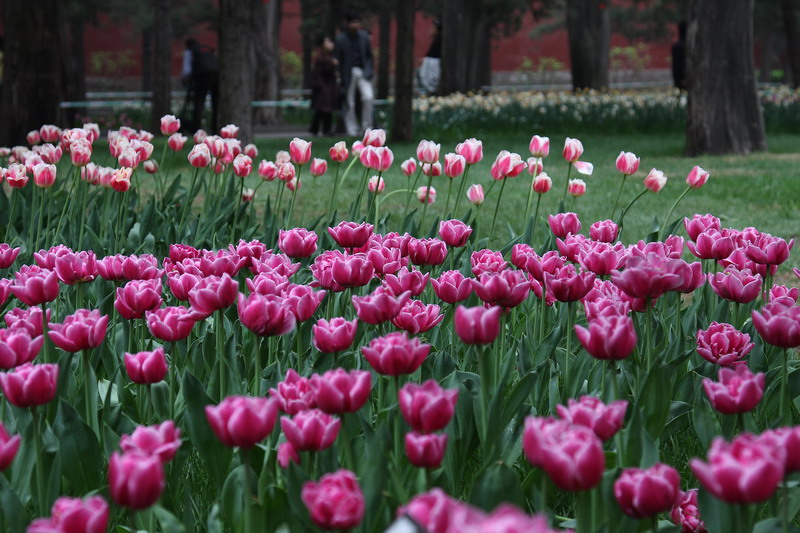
x,y
625,211
496,209
247,485
335,187
669,213
530,193
220,344
619,192
45,337
566,185
785,410
37,447
413,189
427,201
13,195
373,198
568,355
68,202
461,190
535,219
294,197
449,191
189,199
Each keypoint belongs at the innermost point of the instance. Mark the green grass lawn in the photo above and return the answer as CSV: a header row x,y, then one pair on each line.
x,y
761,190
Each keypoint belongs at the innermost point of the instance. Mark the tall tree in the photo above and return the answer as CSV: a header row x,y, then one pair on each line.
x,y
268,59
236,62
724,112
33,75
791,25
404,72
384,45
162,62
466,62
589,30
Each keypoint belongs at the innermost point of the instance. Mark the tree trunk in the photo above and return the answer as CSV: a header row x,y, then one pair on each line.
x,y
147,59
306,40
792,30
236,62
75,69
402,129
33,78
268,61
466,63
724,112
589,30
767,57
335,16
384,46
162,63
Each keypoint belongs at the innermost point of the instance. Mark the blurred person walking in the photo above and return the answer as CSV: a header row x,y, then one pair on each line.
x,y
200,74
324,89
353,51
430,71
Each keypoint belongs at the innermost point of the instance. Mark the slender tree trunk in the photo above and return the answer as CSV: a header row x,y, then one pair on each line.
x,y
589,30
466,62
147,59
335,16
402,129
792,29
266,26
384,46
76,73
162,62
33,79
236,62
307,40
724,112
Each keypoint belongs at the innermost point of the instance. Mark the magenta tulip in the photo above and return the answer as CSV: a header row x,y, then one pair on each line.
x,y
568,284
350,234
242,421
212,294
34,285
416,317
604,420
454,232
608,337
339,391
426,450
508,288
778,324
311,430
162,441
380,306
334,335
646,492
737,391
477,325
170,324
427,407
427,251
8,447
145,368
18,346
482,261
740,286
294,393
686,513
297,242
265,316
137,297
135,480
335,502
395,354
723,344
413,281
604,231
29,385
563,224
452,287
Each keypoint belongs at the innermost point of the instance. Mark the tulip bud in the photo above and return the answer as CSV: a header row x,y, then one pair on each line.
x,y
539,146
44,175
477,325
697,177
655,180
409,166
576,187
475,194
426,450
145,368
627,163
30,385
338,152
135,480
311,430
643,493
376,185
573,149
242,421
336,502
300,151
426,194
471,149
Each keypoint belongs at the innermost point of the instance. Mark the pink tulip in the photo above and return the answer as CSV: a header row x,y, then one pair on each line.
x,y
302,301
454,165
374,137
697,177
471,150
699,224
170,324
8,255
608,337
427,407
569,285
739,286
535,166
34,286
8,447
265,315
44,175
212,294
409,166
199,136
80,151
30,385
121,179
135,480
426,450
428,152
376,185
145,368
294,394
737,391
787,438
336,502
318,167
352,271
162,441
508,288
72,268
251,151
769,250
507,165
297,242
311,430
601,257
573,150
563,224
711,244
385,260
452,287
287,454
426,194
427,251
170,124
571,455
267,170
339,391
477,325
16,176
351,234
784,294
18,345
539,146
604,231
242,165
334,335
686,513
47,258
416,317
655,180
379,158
200,156
231,131
338,152
475,194
643,493
723,344
51,154
395,354
80,331
437,512
33,137
604,420
576,187
242,421
300,151
454,232
411,280
133,267
137,297
646,277
542,183
150,166
74,515
627,163
29,319
176,142
745,470
50,133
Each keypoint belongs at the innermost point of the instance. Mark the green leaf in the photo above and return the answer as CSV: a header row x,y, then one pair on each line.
x,y
497,484
13,512
705,421
82,459
169,522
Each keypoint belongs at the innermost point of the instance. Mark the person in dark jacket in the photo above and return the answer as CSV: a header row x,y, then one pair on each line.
x,y
679,58
324,89
353,51
201,70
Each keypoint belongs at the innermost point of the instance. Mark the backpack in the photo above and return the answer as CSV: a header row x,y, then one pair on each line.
x,y
204,60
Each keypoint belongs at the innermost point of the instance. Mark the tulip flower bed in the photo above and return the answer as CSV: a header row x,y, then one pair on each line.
x,y
175,360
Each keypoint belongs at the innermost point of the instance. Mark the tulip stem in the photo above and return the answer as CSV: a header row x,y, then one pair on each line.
x,y
496,209
67,202
294,196
535,219
13,195
37,447
619,192
567,355
669,213
483,366
238,208
45,339
91,418
188,200
461,190
566,185
784,409
447,202
655,524
530,193
247,486
218,320
426,201
335,188
83,191
413,189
